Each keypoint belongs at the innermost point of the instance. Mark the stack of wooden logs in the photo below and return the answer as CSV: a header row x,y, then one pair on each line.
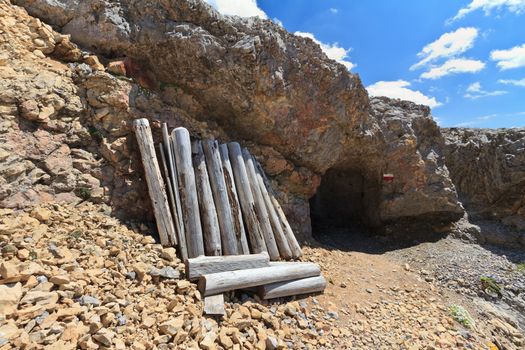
x,y
215,200
218,198
255,272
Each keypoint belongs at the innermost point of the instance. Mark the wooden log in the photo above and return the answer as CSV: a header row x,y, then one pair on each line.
x,y
171,200
233,198
203,265
295,287
210,223
260,207
154,180
220,282
214,305
288,232
220,195
179,225
278,230
188,192
246,199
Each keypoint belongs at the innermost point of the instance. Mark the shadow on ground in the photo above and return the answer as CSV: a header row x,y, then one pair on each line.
x,y
360,238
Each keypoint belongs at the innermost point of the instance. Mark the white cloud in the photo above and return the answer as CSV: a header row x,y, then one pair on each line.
x,y
399,89
475,91
514,6
333,51
474,87
243,8
448,45
334,10
510,58
515,82
454,66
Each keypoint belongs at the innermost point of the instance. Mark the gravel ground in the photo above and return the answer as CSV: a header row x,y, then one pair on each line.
x,y
475,271
486,280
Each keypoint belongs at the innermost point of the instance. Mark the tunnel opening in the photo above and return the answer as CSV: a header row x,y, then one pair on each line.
x,y
346,204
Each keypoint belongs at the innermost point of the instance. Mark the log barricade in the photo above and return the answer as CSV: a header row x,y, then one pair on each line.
x,y
216,204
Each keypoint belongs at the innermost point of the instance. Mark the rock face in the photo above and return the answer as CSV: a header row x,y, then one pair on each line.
x,y
488,168
306,118
415,155
65,129
40,128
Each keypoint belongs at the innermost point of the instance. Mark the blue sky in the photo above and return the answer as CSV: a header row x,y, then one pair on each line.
x,y
464,58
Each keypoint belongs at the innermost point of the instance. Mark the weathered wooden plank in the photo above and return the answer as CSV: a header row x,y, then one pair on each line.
x,y
214,305
246,200
278,231
154,180
202,265
220,282
171,200
210,223
295,287
260,207
179,224
220,196
188,192
288,232
233,198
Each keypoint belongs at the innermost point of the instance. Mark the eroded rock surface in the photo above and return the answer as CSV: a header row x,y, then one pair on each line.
x,y
299,112
40,112
488,168
414,154
65,128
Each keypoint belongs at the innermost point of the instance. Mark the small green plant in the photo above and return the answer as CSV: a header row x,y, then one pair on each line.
x,y
95,134
76,234
83,192
144,91
33,255
489,285
520,267
460,315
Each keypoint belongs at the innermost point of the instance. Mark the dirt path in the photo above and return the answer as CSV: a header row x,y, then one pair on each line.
x,y
397,297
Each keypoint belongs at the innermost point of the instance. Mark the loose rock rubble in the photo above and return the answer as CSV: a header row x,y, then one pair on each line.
x,y
462,268
74,277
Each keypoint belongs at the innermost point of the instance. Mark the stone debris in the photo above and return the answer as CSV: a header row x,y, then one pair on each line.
x,y
78,295
76,290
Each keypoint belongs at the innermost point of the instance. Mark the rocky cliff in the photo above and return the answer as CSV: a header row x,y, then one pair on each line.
x,y
66,115
488,168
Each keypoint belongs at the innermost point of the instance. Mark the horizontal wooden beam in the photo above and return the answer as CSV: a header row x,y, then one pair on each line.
x,y
295,287
220,282
203,265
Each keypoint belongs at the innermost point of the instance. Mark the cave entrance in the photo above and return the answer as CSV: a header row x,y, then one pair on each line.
x,y
346,203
